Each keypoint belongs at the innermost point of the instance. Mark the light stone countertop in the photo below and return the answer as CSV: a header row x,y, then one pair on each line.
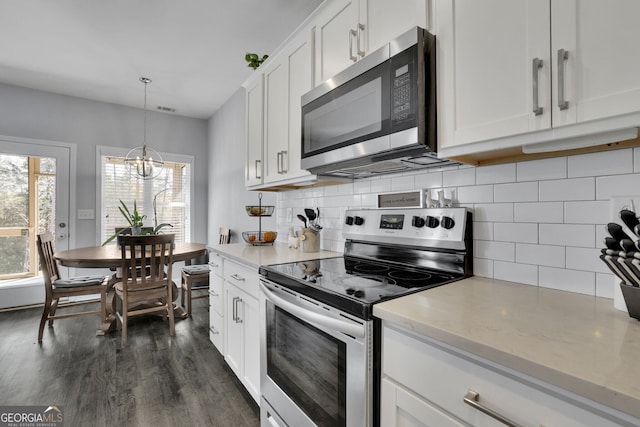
x,y
577,342
278,253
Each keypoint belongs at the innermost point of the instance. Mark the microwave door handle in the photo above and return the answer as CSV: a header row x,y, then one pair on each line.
x,y
313,317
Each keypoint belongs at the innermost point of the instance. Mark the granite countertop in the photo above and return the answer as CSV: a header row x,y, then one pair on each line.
x,y
278,253
577,342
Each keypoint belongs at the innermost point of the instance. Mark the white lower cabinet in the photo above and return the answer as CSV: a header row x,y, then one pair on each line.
x,y
424,383
242,325
216,306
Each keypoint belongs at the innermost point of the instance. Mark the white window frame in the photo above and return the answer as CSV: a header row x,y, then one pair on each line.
x,y
104,150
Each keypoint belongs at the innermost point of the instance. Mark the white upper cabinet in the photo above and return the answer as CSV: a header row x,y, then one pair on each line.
x,y
527,68
286,77
253,126
348,30
602,66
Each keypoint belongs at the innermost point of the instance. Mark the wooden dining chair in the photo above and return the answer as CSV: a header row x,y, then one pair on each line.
x,y
151,292
195,276
56,287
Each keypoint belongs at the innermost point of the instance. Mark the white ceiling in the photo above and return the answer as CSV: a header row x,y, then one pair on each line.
x,y
192,50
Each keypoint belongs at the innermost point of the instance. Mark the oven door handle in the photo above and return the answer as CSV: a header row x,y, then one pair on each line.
x,y
317,319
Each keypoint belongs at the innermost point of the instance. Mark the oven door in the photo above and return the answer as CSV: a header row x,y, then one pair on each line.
x,y
316,362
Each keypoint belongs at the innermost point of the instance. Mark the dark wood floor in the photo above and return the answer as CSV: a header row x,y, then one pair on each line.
x,y
156,380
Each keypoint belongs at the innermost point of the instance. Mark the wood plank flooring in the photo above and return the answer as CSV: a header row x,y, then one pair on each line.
x,y
156,380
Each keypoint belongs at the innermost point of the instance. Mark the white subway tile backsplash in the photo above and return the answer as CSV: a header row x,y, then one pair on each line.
x,y
582,282
496,212
501,251
476,194
586,259
543,169
593,212
602,163
549,212
402,183
483,231
567,235
550,256
483,267
517,192
459,177
538,222
617,185
567,189
513,272
605,284
496,174
515,232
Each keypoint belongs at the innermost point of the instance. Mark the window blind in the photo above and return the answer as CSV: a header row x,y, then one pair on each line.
x,y
169,193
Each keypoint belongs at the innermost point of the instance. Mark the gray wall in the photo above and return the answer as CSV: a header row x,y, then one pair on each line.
x,y
227,193
35,114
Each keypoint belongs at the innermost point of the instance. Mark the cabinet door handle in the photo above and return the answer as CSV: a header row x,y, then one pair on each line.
x,y
284,153
279,162
237,277
352,33
258,169
360,50
563,55
237,302
213,294
213,264
472,398
234,309
213,330
537,64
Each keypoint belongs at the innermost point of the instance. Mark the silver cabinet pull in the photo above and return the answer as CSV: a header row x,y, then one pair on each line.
x,y
279,162
360,50
213,330
258,169
213,264
234,316
284,153
537,64
563,55
213,294
472,398
352,34
237,277
236,302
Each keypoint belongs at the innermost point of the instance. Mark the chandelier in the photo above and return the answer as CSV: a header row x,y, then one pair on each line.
x,y
144,162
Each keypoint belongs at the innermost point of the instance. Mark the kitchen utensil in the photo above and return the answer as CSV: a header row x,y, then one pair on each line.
x,y
303,219
630,219
616,231
612,243
311,214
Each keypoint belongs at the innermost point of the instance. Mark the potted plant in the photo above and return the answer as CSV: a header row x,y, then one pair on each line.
x,y
136,221
254,61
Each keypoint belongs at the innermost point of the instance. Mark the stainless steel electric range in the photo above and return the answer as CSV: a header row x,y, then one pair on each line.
x,y
319,352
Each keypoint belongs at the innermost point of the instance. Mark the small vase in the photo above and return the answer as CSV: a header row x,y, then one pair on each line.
x,y
136,231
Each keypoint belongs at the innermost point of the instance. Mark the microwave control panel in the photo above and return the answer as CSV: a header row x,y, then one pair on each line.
x,y
404,97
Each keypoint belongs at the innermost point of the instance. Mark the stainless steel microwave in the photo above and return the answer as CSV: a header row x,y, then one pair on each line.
x,y
378,115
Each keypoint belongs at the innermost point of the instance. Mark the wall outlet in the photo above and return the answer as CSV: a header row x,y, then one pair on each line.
x,y
86,214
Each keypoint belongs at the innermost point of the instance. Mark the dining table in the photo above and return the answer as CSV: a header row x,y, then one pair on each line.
x,y
109,256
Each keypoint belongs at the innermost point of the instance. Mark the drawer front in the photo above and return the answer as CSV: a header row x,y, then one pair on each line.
x,y
243,277
216,294
215,264
444,379
216,330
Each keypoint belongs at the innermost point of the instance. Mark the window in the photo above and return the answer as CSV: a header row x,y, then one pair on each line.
x,y
28,208
165,199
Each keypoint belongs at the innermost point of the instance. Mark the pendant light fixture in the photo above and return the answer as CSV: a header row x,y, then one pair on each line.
x,y
144,162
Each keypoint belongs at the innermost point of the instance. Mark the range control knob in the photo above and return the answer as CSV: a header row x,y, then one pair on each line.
x,y
349,220
417,221
447,222
359,220
432,221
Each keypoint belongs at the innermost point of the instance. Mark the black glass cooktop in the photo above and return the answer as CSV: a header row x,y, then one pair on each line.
x,y
353,284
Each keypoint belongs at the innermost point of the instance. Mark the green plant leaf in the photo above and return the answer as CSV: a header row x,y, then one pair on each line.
x,y
161,226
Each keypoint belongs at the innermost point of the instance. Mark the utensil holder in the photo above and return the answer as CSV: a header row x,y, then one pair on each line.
x,y
632,299
309,240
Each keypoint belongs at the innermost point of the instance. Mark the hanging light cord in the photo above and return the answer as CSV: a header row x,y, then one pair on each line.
x,y
145,80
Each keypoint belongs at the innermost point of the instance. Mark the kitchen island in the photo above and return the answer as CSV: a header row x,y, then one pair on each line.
x,y
574,347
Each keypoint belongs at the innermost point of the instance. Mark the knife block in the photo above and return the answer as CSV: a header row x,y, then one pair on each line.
x,y
631,296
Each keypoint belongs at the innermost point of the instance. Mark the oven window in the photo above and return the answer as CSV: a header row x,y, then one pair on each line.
x,y
308,365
